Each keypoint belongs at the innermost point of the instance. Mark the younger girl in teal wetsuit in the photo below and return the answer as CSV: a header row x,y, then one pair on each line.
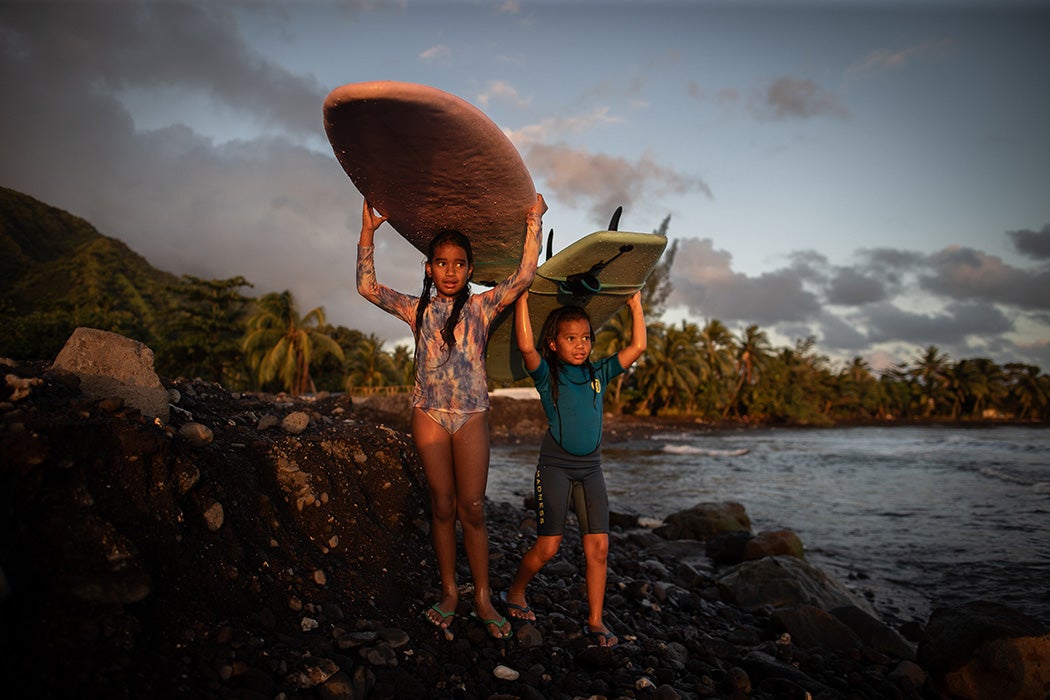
x,y
450,402
571,391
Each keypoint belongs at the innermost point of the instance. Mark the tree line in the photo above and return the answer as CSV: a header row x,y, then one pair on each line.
x,y
212,329
706,372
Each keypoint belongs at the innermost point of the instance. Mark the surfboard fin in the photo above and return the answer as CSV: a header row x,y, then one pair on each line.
x,y
550,244
614,222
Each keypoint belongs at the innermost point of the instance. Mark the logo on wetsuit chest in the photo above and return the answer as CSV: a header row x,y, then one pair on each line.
x,y
597,385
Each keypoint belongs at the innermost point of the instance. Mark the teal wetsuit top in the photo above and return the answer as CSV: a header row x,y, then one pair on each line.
x,y
576,422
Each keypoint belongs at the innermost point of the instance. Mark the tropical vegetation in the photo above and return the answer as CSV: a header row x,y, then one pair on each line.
x,y
59,273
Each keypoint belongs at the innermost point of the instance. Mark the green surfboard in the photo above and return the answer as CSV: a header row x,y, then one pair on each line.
x,y
599,272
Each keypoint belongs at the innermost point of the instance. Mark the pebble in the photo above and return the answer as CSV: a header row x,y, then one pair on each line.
x,y
197,434
295,423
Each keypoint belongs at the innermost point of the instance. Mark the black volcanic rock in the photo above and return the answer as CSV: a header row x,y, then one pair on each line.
x,y
268,557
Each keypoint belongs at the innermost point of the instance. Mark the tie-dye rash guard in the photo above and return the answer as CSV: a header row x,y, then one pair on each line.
x,y
450,381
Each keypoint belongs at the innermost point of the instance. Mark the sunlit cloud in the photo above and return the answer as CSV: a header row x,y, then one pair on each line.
x,y
556,127
882,60
436,54
602,182
503,92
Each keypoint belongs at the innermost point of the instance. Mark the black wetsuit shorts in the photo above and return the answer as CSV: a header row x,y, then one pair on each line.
x,y
562,478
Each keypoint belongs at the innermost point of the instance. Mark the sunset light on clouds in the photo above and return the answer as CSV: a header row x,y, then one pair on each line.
x,y
872,174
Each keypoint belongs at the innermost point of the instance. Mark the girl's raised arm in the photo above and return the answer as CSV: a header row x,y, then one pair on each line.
x,y
639,341
370,221
520,280
401,305
523,332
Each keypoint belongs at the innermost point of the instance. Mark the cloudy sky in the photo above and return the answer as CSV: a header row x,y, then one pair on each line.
x,y
873,174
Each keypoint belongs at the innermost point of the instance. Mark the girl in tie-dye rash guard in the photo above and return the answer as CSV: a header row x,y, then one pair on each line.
x,y
450,400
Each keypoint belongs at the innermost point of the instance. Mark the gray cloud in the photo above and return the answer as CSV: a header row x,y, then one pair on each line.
x,y
798,98
107,47
965,273
974,301
851,288
838,333
1034,244
705,283
888,263
890,323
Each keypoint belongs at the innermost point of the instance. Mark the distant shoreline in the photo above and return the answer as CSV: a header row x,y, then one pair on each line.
x,y
515,419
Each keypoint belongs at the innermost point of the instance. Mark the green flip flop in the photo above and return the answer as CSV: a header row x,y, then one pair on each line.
x,y
444,622
499,624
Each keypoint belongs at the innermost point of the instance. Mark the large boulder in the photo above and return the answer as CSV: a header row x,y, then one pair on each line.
x,y
771,543
986,650
705,520
110,365
810,626
874,633
784,581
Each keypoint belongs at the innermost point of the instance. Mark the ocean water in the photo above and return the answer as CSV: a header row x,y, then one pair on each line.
x,y
910,517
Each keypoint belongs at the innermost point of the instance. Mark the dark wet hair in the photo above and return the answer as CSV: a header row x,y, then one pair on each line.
x,y
445,237
549,334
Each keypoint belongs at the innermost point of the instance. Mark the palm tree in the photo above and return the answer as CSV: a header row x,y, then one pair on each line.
x,y
989,385
369,365
859,393
898,389
1028,389
795,386
717,348
958,381
668,374
281,344
658,287
753,351
931,373
613,337
404,365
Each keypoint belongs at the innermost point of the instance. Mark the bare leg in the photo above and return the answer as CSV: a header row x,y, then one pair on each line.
x,y
596,551
434,445
542,551
470,450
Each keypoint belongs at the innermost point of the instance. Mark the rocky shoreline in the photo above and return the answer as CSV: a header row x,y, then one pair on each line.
x,y
256,546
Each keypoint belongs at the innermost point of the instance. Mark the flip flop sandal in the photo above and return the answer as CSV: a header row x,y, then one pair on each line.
x,y
442,624
499,623
523,609
607,635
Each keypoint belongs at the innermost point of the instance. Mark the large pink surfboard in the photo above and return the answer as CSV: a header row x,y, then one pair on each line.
x,y
429,160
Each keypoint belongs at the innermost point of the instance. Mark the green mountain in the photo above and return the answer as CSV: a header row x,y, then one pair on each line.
x,y
58,272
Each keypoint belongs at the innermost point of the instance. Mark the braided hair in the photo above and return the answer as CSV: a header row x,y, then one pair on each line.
x,y
549,335
445,237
